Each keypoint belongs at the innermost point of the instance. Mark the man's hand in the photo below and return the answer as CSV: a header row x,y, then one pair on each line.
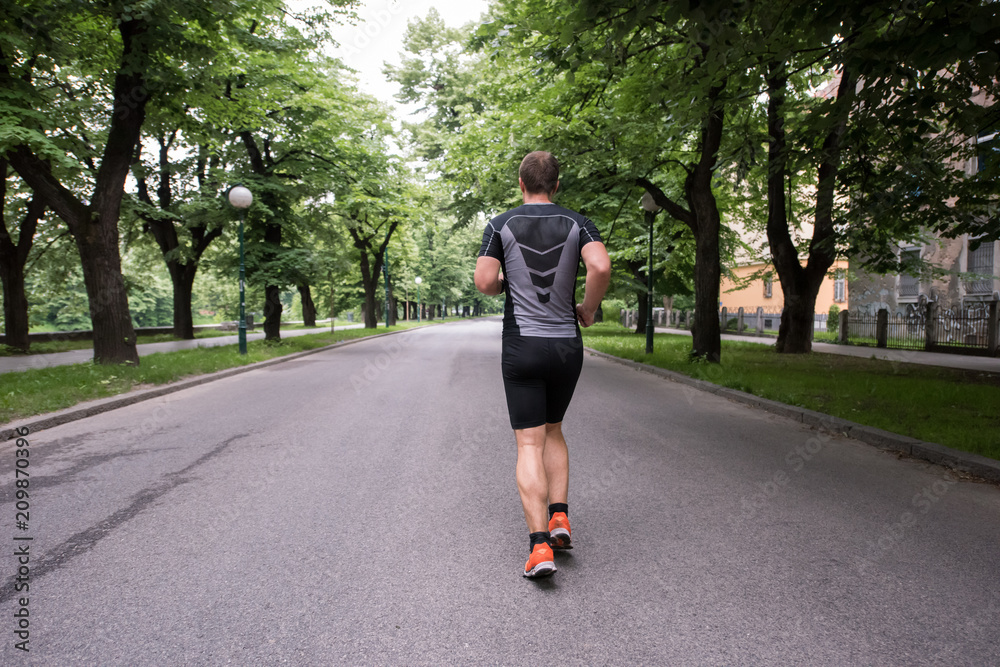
x,y
585,318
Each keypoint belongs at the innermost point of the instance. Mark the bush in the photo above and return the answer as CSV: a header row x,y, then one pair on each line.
x,y
613,309
833,319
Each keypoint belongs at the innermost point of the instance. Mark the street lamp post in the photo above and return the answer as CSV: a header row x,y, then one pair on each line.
x,y
241,198
650,207
418,281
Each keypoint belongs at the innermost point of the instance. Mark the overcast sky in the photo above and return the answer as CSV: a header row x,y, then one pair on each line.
x,y
378,36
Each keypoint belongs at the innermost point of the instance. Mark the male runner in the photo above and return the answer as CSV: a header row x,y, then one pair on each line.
x,y
538,247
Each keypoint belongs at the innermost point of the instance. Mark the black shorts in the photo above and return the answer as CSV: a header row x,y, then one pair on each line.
x,y
539,376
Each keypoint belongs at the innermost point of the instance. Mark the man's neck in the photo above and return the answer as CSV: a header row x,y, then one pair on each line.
x,y
536,199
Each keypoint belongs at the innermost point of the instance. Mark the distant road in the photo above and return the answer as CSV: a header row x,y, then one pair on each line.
x,y
357,506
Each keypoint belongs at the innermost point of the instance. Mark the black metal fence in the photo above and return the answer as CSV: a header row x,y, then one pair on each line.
x,y
971,330
963,329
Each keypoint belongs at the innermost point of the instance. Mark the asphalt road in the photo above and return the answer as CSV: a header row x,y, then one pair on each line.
x,y
358,507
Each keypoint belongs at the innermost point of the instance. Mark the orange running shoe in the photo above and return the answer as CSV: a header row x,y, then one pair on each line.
x,y
541,563
559,530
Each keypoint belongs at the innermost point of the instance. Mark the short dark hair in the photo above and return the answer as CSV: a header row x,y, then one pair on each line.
x,y
540,172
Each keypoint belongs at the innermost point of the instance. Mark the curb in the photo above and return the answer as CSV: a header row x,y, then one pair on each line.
x,y
967,462
96,407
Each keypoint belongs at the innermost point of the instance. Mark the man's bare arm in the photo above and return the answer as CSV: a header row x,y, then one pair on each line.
x,y
487,276
595,258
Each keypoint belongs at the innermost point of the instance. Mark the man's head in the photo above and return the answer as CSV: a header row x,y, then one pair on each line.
x,y
539,173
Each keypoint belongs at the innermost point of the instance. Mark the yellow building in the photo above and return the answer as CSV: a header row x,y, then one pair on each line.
x,y
764,291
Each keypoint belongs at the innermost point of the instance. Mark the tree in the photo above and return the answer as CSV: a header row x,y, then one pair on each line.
x,y
372,210
97,66
183,230
30,150
904,82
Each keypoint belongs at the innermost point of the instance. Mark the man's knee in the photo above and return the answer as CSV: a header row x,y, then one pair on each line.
x,y
530,437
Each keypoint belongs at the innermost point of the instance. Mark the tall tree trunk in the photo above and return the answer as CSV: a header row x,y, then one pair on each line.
x,y
369,282
705,331
308,307
636,268
272,292
272,312
800,284
706,335
640,319
12,260
702,217
183,282
370,309
114,334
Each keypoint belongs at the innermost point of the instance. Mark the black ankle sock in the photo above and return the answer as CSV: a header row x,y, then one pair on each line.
x,y
558,507
539,538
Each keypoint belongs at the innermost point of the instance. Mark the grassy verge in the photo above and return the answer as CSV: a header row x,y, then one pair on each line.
x,y
42,390
953,407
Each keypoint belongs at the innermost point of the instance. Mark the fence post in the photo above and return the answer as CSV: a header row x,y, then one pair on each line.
x,y
930,326
760,321
844,328
724,315
739,320
882,328
992,334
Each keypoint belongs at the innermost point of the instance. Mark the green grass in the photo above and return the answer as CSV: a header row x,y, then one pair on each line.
x,y
37,391
953,407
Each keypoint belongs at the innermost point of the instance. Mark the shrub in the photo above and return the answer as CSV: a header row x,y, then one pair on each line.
x,y
833,319
613,309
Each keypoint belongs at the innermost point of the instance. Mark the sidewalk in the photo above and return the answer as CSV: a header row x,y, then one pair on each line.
x,y
27,362
963,361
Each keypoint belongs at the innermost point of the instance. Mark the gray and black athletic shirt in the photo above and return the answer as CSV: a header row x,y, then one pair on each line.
x,y
538,246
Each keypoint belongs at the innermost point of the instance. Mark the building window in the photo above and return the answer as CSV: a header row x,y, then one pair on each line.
x,y
768,286
980,262
909,283
839,286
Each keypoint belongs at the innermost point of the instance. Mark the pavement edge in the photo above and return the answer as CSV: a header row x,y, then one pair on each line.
x,y
967,462
96,407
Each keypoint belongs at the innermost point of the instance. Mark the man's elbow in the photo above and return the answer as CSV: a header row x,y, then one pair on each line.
x,y
483,285
601,269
